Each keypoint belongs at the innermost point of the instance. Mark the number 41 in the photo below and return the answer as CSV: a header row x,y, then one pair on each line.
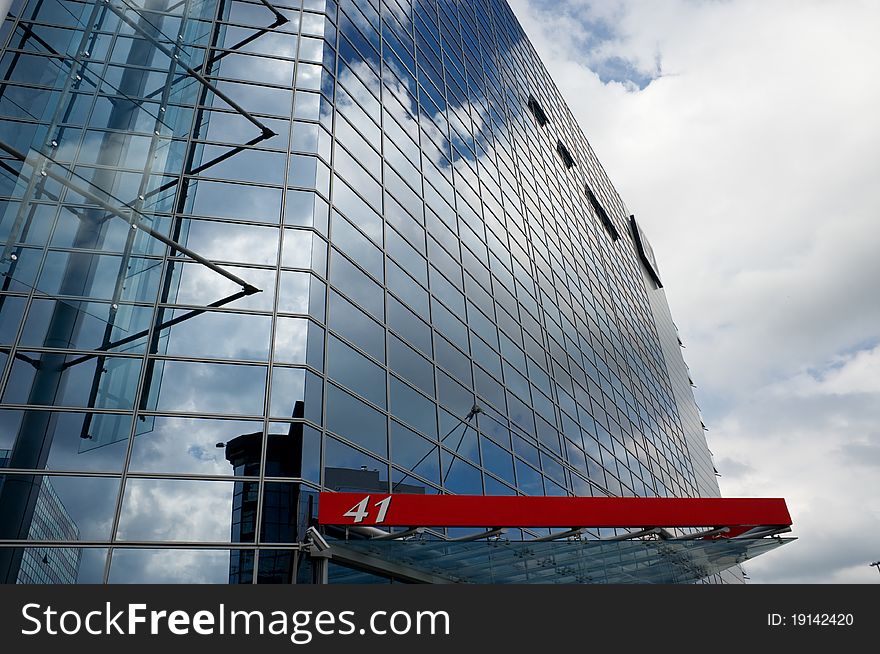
x,y
360,511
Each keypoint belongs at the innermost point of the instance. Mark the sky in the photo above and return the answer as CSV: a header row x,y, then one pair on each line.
x,y
744,136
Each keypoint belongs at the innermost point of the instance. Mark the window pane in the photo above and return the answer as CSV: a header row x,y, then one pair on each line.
x,y
224,200
42,507
411,451
460,477
298,340
62,565
359,423
413,408
349,470
357,246
356,285
356,372
296,393
76,441
185,510
193,446
410,365
218,335
208,388
169,566
353,324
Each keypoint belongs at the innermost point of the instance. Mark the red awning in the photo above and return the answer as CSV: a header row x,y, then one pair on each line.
x,y
723,517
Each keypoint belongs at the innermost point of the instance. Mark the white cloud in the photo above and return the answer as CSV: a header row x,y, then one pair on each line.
x,y
853,374
751,160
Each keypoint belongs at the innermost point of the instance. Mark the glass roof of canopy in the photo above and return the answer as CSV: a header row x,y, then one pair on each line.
x,y
551,562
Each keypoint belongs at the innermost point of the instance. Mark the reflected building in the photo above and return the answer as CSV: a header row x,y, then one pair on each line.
x,y
50,522
256,249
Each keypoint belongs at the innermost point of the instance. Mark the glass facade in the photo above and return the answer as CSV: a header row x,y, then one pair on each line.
x,y
255,250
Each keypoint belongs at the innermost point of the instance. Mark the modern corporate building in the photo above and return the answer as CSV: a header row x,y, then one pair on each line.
x,y
258,250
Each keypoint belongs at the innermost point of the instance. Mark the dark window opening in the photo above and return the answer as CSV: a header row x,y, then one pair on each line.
x,y
603,215
537,111
565,154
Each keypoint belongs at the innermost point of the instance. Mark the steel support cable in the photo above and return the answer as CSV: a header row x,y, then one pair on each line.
x,y
462,421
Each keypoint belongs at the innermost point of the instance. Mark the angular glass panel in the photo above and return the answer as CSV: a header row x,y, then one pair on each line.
x,y
254,69
281,567
410,365
356,210
306,209
497,460
11,313
284,512
409,326
411,451
357,246
233,243
528,479
407,289
301,292
460,477
304,249
200,286
255,99
241,165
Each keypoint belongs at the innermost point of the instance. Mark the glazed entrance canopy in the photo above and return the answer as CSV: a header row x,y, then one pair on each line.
x,y
666,540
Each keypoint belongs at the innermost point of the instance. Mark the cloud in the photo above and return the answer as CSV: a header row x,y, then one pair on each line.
x,y
742,134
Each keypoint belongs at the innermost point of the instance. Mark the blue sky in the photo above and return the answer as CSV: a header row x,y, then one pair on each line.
x,y
743,134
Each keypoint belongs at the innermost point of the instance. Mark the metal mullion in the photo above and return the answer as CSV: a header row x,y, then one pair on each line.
x,y
206,415
133,544
267,400
62,409
202,359
196,307
188,476
74,351
62,473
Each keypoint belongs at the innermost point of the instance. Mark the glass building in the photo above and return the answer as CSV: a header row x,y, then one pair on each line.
x,y
253,250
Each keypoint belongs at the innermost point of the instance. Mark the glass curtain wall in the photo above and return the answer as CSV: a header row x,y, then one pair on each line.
x,y
253,250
